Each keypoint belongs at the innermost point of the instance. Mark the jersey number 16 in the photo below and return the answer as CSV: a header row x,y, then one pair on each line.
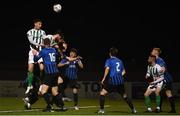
x,y
52,57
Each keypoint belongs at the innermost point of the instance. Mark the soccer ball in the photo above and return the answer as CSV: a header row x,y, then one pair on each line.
x,y
57,8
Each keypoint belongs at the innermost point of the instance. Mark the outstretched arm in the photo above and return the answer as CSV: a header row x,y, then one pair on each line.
x,y
73,59
63,64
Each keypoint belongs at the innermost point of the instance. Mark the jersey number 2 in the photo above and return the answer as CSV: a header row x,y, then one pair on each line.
x,y
52,57
117,66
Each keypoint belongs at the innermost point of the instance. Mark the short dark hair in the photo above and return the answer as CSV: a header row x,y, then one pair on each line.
x,y
60,33
74,50
37,20
47,41
113,51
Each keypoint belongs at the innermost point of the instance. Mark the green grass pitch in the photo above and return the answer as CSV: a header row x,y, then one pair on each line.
x,y
15,106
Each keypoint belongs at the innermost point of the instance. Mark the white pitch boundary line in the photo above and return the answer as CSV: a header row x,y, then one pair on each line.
x,y
84,107
40,109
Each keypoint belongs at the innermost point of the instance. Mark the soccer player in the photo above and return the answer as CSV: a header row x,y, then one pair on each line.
x,y
155,72
55,38
115,68
35,37
58,42
167,77
70,74
49,55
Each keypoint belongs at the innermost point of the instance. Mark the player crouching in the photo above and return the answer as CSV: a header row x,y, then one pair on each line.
x,y
48,55
155,72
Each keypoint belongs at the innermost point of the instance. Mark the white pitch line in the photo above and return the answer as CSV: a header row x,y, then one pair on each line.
x,y
84,107
40,109
8,111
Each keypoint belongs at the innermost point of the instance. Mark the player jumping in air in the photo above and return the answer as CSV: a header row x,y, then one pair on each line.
x,y
115,68
35,37
155,72
49,55
168,79
70,74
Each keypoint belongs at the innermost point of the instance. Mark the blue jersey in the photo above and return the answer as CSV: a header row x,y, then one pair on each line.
x,y
116,68
71,70
49,58
167,76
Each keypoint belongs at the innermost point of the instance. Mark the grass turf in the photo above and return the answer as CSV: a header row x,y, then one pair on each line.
x,y
15,106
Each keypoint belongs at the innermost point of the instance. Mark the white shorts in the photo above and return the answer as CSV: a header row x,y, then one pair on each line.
x,y
31,58
158,85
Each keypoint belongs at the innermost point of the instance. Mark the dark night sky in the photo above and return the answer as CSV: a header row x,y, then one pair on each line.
x,y
93,26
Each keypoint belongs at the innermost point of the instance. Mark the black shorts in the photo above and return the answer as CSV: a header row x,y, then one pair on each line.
x,y
72,83
51,80
114,88
168,86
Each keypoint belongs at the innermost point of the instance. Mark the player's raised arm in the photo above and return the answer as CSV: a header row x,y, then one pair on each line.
x,y
64,62
73,59
80,64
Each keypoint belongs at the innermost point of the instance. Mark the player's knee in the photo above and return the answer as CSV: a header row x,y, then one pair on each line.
x,y
75,90
60,80
40,89
157,93
169,93
44,89
30,69
103,92
146,94
124,96
43,92
54,92
41,66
